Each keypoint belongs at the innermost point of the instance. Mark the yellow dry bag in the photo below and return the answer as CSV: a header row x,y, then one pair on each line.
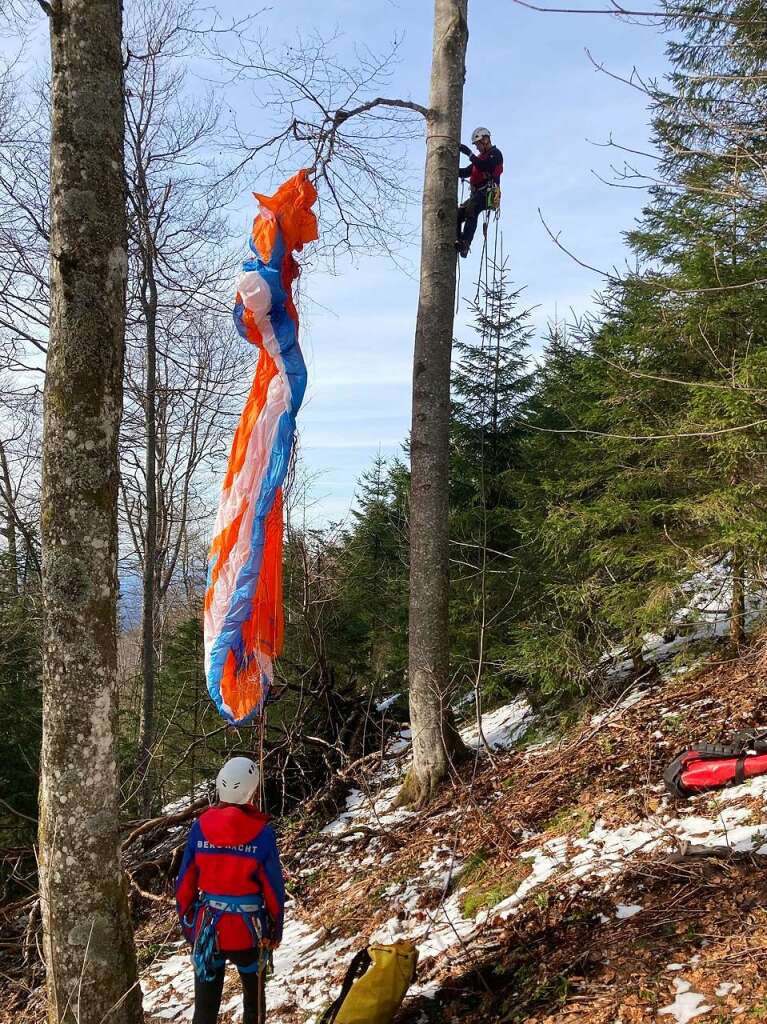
x,y
374,986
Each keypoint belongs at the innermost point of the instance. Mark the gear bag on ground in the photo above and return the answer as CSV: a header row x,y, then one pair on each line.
x,y
375,985
708,766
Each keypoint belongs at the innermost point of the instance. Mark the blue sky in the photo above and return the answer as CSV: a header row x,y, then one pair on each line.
x,y
530,81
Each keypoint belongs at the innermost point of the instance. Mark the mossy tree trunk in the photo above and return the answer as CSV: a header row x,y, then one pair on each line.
x,y
88,945
435,741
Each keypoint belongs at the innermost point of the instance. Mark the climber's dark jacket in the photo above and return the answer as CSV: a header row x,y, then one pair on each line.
x,y
485,169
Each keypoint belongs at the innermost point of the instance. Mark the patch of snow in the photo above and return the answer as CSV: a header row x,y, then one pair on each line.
x,y
546,861
427,991
387,702
706,616
200,790
629,910
434,931
440,867
369,810
401,743
687,1005
728,988
173,996
303,966
501,728
629,700
603,852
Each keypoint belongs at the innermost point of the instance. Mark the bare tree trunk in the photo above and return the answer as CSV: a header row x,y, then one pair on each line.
x,y
738,600
9,530
434,737
89,953
149,600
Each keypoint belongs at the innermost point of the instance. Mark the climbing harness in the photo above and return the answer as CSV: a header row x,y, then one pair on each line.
x,y
707,766
206,955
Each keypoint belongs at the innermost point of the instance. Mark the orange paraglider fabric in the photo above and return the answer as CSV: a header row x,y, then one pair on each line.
x,y
244,623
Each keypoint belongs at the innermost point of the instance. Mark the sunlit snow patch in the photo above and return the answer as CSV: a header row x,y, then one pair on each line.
x,y
623,912
501,728
687,1005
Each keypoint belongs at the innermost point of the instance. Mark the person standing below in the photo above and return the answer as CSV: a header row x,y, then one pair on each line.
x,y
484,174
230,894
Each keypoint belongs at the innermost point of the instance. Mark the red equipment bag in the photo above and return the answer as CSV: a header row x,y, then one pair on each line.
x,y
715,765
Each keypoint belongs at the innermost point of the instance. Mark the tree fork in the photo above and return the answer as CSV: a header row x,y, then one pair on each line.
x,y
88,944
435,740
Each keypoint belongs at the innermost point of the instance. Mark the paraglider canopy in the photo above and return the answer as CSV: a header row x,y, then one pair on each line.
x,y
244,621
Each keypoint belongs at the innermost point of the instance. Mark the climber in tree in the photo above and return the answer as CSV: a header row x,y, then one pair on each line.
x,y
230,894
484,174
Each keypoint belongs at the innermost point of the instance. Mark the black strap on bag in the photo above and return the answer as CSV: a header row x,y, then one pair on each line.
x,y
357,968
752,739
672,776
738,747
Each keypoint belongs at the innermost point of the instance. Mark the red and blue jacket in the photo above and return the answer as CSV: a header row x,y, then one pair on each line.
x,y
231,851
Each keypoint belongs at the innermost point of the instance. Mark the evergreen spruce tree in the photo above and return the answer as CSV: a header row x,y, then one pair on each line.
x,y
704,235
490,384
376,554
670,382
564,516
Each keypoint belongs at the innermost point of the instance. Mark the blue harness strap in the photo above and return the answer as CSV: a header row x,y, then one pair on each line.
x,y
206,952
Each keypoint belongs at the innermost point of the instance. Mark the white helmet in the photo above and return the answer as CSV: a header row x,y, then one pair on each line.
x,y
479,133
237,782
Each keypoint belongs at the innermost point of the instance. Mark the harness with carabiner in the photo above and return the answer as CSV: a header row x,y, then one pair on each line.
x,y
494,197
206,954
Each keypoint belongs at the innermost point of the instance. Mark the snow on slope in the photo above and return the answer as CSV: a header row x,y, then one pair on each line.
x,y
420,909
501,728
705,616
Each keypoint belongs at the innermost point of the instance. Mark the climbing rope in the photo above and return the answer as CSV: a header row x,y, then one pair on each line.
x,y
458,258
261,782
484,259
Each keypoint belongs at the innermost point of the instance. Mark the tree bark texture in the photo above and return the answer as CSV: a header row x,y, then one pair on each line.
x,y
88,945
434,736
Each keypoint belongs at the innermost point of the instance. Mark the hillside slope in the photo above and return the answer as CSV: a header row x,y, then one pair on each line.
x,y
553,881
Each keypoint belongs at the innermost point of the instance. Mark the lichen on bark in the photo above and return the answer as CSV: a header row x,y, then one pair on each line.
x,y
88,944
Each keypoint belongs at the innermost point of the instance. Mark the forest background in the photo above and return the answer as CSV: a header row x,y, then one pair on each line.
x,y
606,450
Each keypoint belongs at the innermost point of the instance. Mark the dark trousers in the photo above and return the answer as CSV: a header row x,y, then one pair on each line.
x,y
207,994
469,213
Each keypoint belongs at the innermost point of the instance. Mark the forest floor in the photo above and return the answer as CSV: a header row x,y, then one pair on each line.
x,y
553,881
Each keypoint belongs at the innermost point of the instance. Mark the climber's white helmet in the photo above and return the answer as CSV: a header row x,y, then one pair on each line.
x,y
479,133
237,782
